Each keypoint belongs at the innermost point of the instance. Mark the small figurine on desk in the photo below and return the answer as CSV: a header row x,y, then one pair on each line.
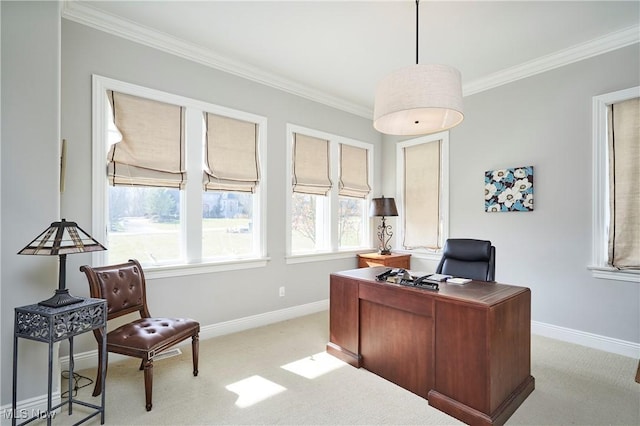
x,y
390,273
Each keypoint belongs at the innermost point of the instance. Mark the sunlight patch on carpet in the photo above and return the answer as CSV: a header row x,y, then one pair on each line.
x,y
314,365
254,389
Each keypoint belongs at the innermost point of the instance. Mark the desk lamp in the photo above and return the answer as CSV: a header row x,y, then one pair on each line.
x,y
384,207
59,239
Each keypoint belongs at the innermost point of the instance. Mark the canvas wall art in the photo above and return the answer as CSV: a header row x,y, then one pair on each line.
x,y
509,190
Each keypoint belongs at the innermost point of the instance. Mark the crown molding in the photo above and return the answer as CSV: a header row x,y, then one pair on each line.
x,y
129,30
87,15
579,52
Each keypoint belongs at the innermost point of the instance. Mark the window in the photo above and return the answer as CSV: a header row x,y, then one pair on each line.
x,y
183,183
608,216
423,192
329,185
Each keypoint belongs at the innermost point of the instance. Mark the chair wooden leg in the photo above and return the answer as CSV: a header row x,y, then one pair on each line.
x,y
195,346
148,382
141,365
97,389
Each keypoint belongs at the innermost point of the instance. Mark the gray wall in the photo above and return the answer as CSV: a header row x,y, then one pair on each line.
x,y
216,297
30,159
543,121
30,163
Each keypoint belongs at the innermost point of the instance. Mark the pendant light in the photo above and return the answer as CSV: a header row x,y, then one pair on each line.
x,y
418,99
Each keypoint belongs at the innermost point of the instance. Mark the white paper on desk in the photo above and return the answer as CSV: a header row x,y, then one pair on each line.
x,y
458,281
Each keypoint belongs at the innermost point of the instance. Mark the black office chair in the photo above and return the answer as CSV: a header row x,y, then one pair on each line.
x,y
467,258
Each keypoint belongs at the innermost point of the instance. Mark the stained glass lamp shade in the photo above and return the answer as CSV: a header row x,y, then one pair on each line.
x,y
59,239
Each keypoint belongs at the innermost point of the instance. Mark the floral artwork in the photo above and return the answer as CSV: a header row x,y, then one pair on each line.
x,y
509,190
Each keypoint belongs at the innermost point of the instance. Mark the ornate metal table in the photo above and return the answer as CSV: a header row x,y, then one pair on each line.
x,y
50,325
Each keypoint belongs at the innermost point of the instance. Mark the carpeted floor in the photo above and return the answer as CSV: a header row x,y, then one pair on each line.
x,y
279,374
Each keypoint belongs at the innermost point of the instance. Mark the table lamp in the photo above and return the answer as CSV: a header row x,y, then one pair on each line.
x,y
384,207
59,239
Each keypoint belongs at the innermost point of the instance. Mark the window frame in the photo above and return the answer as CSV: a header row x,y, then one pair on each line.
x,y
424,253
191,204
332,202
600,188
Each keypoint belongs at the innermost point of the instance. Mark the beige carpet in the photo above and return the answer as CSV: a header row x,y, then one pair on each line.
x,y
252,378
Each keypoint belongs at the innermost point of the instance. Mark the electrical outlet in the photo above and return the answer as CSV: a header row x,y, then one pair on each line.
x,y
281,292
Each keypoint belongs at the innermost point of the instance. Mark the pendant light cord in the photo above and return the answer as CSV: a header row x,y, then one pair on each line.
x,y
417,29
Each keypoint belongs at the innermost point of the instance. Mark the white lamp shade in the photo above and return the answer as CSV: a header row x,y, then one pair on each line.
x,y
418,100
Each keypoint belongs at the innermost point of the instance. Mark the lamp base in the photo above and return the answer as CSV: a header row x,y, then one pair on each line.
x,y
384,252
61,298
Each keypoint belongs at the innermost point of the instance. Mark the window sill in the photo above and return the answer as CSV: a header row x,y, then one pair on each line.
x,y
422,254
152,272
321,257
615,274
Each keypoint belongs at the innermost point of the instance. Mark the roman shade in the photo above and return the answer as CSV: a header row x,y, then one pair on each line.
x,y
354,172
310,165
231,155
151,151
624,184
422,195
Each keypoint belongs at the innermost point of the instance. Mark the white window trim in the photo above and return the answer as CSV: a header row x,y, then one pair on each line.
x,y
424,253
600,178
100,85
332,252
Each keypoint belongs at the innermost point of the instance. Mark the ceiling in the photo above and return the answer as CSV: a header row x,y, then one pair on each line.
x,y
337,51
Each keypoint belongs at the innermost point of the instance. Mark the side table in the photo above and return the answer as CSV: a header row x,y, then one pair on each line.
x,y
50,325
389,260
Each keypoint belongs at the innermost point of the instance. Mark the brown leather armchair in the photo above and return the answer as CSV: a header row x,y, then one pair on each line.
x,y
124,288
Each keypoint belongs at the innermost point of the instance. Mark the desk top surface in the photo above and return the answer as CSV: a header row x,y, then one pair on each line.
x,y
479,292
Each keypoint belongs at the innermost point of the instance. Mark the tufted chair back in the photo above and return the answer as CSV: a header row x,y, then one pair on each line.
x,y
123,286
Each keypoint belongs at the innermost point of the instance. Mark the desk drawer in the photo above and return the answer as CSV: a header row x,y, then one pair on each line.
x,y
407,299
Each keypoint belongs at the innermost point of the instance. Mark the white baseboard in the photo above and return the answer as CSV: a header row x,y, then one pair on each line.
x,y
595,341
89,359
621,347
28,408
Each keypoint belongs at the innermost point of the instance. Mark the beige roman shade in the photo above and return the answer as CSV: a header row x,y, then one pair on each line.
x,y
422,195
624,184
151,152
354,172
310,165
231,155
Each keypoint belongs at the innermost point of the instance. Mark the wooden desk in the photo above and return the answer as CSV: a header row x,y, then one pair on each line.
x,y
393,260
466,349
